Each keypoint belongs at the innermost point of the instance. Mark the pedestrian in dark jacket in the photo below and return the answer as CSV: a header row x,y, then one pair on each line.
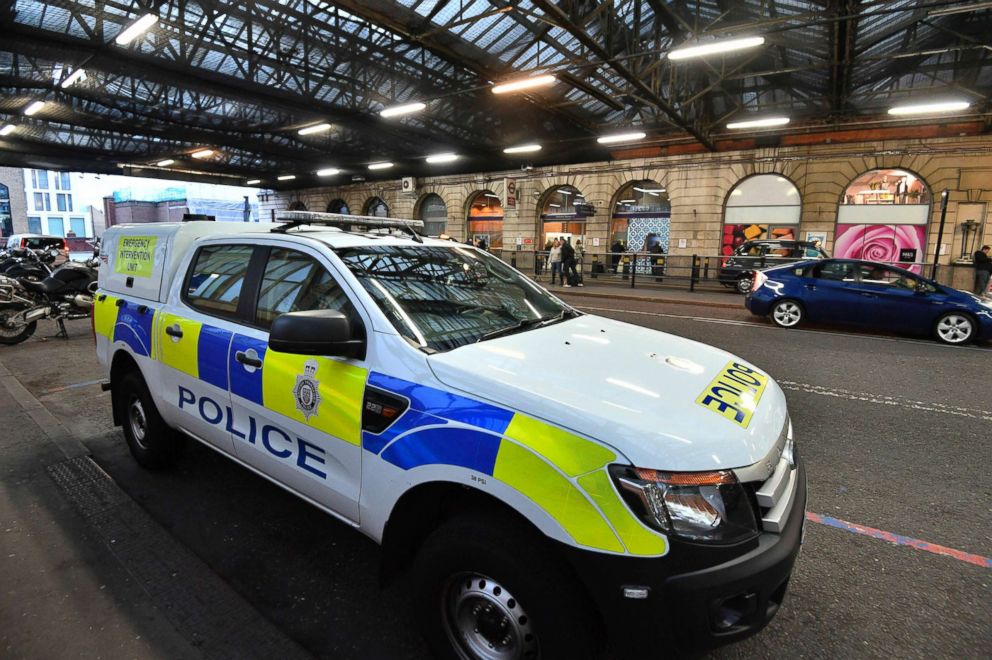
x,y
983,269
568,264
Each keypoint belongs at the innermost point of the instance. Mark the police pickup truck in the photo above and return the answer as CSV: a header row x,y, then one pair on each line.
x,y
559,484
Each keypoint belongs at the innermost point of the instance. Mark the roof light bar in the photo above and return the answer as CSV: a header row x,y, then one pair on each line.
x,y
34,108
442,158
764,122
286,177
165,163
317,128
380,166
202,153
7,130
715,48
405,109
74,77
524,83
522,149
132,31
929,108
253,182
621,137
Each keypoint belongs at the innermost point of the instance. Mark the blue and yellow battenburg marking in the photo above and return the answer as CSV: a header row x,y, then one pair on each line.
x,y
126,321
735,392
559,471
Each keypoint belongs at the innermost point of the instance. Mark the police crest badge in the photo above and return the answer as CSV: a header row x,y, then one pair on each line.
x,y
307,390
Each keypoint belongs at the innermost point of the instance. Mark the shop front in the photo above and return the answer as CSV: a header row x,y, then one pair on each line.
x,y
883,217
563,216
763,206
485,220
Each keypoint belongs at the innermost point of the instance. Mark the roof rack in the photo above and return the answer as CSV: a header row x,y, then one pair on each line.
x,y
349,223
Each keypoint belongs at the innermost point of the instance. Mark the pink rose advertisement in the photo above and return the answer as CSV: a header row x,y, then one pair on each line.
x,y
893,244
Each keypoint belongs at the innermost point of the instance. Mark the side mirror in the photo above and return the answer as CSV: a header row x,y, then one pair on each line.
x,y
315,332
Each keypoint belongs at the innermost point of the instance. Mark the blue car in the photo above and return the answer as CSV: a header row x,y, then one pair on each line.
x,y
871,295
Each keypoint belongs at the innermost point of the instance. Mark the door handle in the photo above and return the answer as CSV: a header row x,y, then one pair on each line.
x,y
867,295
811,287
120,302
248,360
174,331
142,309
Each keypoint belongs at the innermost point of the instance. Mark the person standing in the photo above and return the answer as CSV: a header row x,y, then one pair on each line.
x,y
554,260
983,270
568,273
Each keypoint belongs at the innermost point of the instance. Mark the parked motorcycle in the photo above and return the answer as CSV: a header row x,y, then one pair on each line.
x,y
64,295
28,263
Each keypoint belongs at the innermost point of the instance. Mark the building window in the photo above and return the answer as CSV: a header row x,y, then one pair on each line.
x,y
34,225
374,206
78,226
338,206
485,219
434,213
760,207
564,216
39,179
62,181
6,220
64,202
56,227
641,219
42,202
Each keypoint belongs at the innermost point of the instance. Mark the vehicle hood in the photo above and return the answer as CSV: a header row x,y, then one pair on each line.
x,y
632,388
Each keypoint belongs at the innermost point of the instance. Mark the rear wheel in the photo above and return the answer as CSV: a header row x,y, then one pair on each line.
x,y
152,443
955,328
787,313
14,334
744,283
490,589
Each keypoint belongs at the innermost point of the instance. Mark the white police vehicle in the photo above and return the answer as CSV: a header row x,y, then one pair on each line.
x,y
560,484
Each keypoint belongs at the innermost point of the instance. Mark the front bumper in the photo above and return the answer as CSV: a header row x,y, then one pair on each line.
x,y
699,596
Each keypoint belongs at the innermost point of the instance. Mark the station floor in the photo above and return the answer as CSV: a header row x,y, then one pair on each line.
x,y
100,558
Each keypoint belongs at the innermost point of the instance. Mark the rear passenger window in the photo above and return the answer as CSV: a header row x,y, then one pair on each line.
x,y
839,271
214,284
295,282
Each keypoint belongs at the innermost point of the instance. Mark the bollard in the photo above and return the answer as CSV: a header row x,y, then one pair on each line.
x,y
633,269
694,273
706,268
595,267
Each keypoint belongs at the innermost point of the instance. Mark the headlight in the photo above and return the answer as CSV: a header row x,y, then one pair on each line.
x,y
697,506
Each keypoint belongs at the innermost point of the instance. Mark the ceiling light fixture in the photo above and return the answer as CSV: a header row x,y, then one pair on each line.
x,y
621,137
765,122
318,128
252,182
202,153
136,28
286,177
380,166
442,158
522,149
165,163
74,77
405,109
715,47
524,83
650,191
7,130
34,108
328,171
929,108
554,206
628,201
491,195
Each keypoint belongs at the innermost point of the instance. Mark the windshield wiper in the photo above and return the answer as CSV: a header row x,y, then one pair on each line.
x,y
525,324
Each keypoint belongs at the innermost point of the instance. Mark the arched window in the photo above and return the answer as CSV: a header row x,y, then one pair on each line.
x,y
338,206
374,206
760,206
6,219
564,216
485,219
883,217
297,205
641,218
434,213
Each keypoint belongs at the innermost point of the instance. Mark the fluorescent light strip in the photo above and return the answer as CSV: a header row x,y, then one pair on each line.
x,y
621,137
715,47
525,83
202,153
136,28
656,192
405,109
34,108
491,195
929,108
554,206
165,163
628,201
328,171
380,166
522,149
442,158
252,182
759,123
8,129
319,128
74,77
286,177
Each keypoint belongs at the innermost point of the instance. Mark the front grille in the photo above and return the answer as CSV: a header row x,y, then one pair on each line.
x,y
773,481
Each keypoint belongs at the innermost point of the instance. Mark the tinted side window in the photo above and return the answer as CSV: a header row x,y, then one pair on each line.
x,y
294,282
875,274
214,283
832,271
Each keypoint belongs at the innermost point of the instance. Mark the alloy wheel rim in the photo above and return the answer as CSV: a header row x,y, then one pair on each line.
x,y
954,329
484,621
787,314
138,421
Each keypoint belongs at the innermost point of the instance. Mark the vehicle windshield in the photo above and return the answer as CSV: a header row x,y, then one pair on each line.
x,y
441,297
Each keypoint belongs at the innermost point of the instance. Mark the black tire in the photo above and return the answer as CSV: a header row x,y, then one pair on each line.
x,y
153,444
493,573
12,336
954,328
787,313
744,283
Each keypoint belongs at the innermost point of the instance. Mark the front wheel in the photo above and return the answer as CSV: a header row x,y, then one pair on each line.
x,y
14,334
787,313
152,443
955,328
490,589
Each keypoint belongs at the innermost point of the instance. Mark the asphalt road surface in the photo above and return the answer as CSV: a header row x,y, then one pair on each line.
x,y
896,435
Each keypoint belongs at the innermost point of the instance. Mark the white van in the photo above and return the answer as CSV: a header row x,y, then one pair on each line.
x,y
560,484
